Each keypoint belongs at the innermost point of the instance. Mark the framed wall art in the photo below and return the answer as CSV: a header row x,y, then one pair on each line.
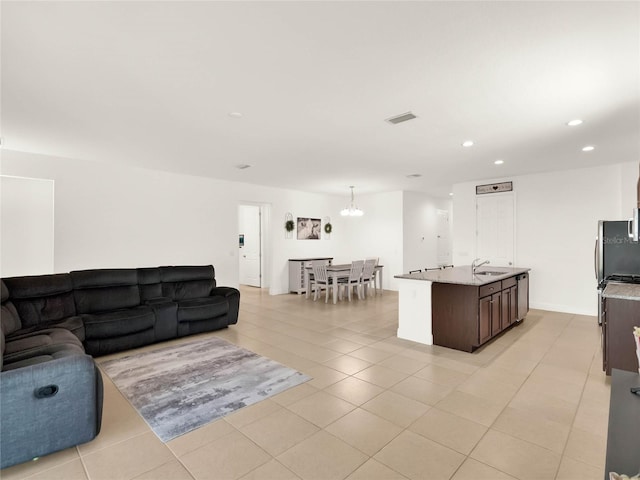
x,y
309,228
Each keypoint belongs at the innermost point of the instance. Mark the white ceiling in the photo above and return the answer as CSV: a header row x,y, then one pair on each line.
x,y
152,84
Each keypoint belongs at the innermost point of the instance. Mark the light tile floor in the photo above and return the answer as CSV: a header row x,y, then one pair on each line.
x,y
533,404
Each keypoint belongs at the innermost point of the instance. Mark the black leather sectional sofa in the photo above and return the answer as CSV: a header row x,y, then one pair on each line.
x,y
50,388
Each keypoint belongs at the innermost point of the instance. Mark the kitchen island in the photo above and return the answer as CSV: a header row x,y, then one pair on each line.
x,y
457,308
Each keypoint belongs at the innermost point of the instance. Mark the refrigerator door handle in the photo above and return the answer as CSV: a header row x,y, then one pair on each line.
x,y
595,259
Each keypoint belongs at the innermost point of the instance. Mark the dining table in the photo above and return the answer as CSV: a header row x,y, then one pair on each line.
x,y
337,272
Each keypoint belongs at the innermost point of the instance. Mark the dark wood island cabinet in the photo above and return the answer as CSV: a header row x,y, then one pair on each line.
x,y
461,307
465,317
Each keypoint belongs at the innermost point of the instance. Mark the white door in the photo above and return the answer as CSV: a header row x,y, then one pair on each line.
x,y
495,229
249,244
443,245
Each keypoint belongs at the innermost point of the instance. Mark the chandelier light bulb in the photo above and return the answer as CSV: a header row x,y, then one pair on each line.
x,y
351,210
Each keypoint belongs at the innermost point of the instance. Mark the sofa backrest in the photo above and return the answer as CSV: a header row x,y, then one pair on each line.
x,y
104,290
9,316
183,283
10,321
34,300
40,299
149,283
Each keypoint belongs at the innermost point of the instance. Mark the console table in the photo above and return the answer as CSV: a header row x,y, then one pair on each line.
x,y
623,438
297,272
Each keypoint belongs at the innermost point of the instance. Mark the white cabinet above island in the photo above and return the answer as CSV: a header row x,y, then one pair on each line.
x,y
457,308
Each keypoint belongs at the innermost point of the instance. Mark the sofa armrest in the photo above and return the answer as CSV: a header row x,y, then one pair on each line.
x,y
232,296
166,313
225,292
49,406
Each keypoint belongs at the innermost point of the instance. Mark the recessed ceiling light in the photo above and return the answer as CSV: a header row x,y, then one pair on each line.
x,y
243,166
467,143
451,194
499,162
588,148
235,114
573,123
414,175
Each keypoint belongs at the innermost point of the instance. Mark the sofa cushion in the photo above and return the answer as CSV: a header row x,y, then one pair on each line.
x,y
118,323
9,318
183,283
41,298
202,308
73,324
5,292
104,290
105,346
44,355
42,342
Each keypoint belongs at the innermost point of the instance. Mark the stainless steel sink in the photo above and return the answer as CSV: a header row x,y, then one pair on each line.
x,y
490,273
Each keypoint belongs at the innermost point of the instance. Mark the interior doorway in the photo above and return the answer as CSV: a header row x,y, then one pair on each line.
x,y
443,245
250,245
495,234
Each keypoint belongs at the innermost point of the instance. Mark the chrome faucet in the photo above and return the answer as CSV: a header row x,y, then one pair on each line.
x,y
475,266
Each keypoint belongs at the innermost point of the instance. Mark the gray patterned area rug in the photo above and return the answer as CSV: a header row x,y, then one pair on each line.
x,y
180,388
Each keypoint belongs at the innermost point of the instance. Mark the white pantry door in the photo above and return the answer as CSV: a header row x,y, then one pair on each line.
x,y
495,226
249,227
443,245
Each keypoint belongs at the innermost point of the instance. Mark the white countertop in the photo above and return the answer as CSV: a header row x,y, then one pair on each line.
x,y
463,275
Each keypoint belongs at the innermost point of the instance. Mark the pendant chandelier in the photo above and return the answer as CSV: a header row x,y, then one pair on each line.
x,y
351,210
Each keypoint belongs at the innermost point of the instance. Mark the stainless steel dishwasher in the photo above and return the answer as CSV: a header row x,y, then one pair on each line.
x,y
523,295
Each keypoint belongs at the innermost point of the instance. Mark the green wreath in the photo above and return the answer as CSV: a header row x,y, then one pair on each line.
x,y
327,228
289,225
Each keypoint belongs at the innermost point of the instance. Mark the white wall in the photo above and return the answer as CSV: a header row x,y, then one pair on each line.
x,y
26,226
420,230
556,228
378,233
110,216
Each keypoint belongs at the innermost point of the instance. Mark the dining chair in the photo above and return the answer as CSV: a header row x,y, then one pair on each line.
x,y
354,280
368,276
320,279
376,260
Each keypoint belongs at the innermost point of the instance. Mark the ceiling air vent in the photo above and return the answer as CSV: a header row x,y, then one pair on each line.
x,y
404,117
